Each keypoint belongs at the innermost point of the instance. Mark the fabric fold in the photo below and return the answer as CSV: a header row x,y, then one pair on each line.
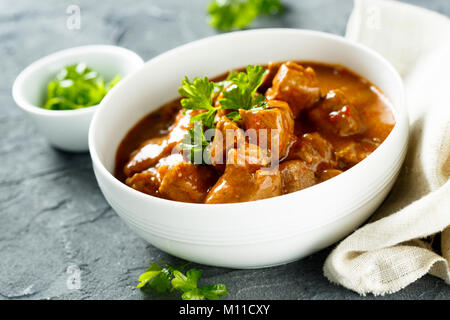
x,y
391,251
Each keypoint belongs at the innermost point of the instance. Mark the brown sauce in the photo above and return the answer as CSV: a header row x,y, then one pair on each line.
x,y
372,106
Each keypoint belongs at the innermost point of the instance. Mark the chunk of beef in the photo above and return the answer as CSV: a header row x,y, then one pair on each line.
x,y
328,174
335,114
146,156
168,162
314,150
154,149
187,182
239,184
236,184
249,156
147,182
295,176
296,85
268,182
273,127
227,136
272,69
352,153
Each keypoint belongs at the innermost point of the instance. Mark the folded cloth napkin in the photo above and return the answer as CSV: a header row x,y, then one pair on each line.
x,y
396,247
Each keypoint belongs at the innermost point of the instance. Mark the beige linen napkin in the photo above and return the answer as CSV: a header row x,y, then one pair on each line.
x,y
395,249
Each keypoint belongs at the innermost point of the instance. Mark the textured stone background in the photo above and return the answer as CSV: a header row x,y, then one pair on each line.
x,y
53,215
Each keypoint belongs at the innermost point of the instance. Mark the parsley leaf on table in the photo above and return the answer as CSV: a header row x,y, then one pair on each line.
x,y
188,284
159,277
227,15
171,278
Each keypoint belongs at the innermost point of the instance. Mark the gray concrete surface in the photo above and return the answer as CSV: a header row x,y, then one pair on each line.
x,y
52,213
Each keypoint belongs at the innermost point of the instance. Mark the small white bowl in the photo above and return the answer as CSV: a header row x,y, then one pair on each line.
x,y
68,129
259,233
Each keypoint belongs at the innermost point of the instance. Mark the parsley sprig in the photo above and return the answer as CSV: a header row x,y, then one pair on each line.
x,y
188,284
227,15
195,144
199,95
238,91
171,277
243,89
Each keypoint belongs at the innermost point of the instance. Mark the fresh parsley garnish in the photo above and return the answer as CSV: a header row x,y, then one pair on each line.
x,y
227,15
77,86
198,93
169,278
187,283
238,91
159,277
195,144
242,92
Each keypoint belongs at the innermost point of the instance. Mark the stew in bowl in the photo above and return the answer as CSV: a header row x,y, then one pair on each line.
x,y
255,133
238,232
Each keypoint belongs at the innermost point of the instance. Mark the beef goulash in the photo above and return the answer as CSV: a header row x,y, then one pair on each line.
x,y
255,133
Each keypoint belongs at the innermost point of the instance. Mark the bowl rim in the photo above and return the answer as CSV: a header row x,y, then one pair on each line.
x,y
43,62
400,117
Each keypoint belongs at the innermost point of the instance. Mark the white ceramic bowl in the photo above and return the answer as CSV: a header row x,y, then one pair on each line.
x,y
265,232
68,129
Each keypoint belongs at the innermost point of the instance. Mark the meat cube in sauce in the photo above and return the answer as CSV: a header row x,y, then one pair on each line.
x,y
314,150
272,69
268,182
235,185
352,153
296,85
228,135
240,182
336,115
273,127
295,176
154,149
173,178
187,182
328,174
146,156
249,156
147,181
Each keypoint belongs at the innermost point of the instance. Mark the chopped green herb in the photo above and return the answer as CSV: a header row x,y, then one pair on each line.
x,y
198,93
168,278
227,15
77,86
188,284
195,143
235,116
238,92
242,94
159,277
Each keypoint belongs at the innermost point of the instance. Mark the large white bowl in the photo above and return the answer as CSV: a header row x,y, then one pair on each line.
x,y
259,233
68,129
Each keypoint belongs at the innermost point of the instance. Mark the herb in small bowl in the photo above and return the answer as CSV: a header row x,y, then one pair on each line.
x,y
77,86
